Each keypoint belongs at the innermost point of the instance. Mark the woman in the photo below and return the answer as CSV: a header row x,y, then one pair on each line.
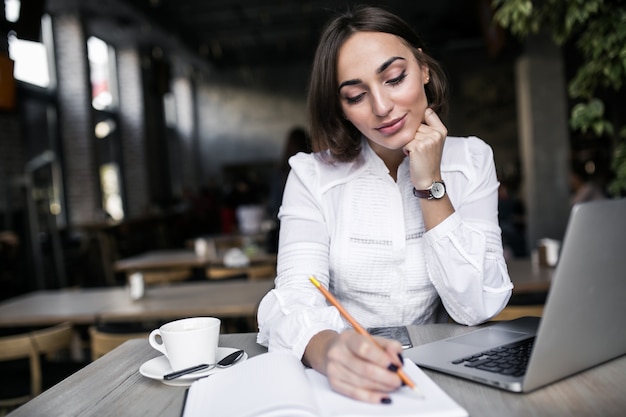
x,y
395,218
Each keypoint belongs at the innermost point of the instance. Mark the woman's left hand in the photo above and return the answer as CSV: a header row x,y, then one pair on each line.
x,y
425,151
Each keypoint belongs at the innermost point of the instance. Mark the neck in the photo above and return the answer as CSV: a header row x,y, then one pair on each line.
x,y
391,157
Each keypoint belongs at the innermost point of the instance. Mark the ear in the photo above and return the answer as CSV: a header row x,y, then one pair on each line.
x,y
423,67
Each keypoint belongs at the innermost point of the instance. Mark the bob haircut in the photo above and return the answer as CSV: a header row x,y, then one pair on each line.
x,y
329,130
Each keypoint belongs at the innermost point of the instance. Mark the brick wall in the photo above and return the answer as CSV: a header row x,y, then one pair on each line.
x,y
132,132
75,121
11,162
186,129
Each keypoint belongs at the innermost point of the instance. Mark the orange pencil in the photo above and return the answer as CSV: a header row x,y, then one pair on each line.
x,y
331,299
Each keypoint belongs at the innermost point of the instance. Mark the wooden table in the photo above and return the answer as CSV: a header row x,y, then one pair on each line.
x,y
112,386
48,307
178,258
526,276
162,259
87,306
529,277
219,299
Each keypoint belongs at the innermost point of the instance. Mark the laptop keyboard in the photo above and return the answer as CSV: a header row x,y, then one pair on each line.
x,y
510,359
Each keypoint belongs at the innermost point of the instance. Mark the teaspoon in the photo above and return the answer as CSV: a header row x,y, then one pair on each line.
x,y
231,359
225,362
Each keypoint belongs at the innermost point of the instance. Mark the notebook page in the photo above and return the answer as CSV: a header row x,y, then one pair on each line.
x,y
405,402
268,385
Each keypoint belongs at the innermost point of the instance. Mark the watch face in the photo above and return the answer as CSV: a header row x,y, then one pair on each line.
x,y
438,190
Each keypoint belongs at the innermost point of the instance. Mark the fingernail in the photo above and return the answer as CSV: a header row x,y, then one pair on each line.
x,y
385,400
401,358
392,367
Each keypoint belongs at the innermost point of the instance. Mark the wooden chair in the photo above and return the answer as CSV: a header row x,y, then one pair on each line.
x,y
102,342
30,346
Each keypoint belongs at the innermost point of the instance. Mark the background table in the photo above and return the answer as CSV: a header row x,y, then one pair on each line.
x,y
42,308
88,306
529,277
220,299
179,258
183,264
112,386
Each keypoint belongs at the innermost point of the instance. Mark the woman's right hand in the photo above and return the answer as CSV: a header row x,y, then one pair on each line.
x,y
355,366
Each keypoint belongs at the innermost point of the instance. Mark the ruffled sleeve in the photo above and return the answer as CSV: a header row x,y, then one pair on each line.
x,y
290,315
464,253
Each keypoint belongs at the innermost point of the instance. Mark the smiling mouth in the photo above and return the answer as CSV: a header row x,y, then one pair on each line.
x,y
392,126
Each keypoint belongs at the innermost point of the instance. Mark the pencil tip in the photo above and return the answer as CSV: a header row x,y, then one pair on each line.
x,y
418,392
314,281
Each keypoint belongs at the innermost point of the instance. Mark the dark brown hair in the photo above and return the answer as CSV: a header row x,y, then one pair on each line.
x,y
329,130
297,141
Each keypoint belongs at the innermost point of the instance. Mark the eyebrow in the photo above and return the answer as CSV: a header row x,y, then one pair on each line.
x,y
379,70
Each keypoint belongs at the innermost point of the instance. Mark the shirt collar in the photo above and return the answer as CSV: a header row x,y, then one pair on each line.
x,y
375,163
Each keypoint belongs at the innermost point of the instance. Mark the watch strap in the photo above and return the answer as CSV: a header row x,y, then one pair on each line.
x,y
427,193
422,193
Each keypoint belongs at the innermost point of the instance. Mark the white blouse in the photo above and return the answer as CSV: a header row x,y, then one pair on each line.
x,y
361,234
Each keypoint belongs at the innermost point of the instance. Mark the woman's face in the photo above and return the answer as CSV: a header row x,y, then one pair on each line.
x,y
381,88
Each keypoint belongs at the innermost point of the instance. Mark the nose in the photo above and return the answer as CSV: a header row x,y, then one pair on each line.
x,y
381,103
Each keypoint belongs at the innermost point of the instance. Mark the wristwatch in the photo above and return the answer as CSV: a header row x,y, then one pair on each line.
x,y
436,191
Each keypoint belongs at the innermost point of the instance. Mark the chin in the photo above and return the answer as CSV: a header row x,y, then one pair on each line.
x,y
398,141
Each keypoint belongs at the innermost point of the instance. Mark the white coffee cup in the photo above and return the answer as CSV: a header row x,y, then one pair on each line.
x,y
205,248
249,218
188,342
549,252
136,285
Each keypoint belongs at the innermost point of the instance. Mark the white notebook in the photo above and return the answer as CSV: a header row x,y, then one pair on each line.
x,y
278,385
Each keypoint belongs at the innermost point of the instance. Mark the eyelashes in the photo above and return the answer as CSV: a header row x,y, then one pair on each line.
x,y
392,82
398,79
355,99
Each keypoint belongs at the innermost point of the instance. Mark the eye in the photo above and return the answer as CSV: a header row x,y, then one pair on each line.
x,y
355,99
398,79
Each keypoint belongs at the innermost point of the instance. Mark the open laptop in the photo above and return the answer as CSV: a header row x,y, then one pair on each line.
x,y
583,319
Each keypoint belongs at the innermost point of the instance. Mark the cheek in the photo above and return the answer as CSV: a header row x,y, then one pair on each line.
x,y
414,95
357,115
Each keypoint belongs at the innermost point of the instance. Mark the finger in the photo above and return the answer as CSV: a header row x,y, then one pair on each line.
x,y
364,376
371,349
394,350
361,394
432,119
378,362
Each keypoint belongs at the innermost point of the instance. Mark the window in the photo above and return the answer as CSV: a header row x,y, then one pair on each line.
x,y
102,72
31,61
111,196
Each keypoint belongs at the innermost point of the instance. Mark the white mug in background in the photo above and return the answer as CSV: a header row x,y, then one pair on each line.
x,y
188,342
136,285
249,218
205,248
200,246
549,252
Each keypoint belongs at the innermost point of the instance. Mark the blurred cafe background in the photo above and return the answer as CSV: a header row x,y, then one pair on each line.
x,y
143,145
137,125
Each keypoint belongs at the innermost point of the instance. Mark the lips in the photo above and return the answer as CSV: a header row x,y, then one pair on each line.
x,y
391,127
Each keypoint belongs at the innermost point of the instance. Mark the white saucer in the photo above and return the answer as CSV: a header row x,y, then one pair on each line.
x,y
157,367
